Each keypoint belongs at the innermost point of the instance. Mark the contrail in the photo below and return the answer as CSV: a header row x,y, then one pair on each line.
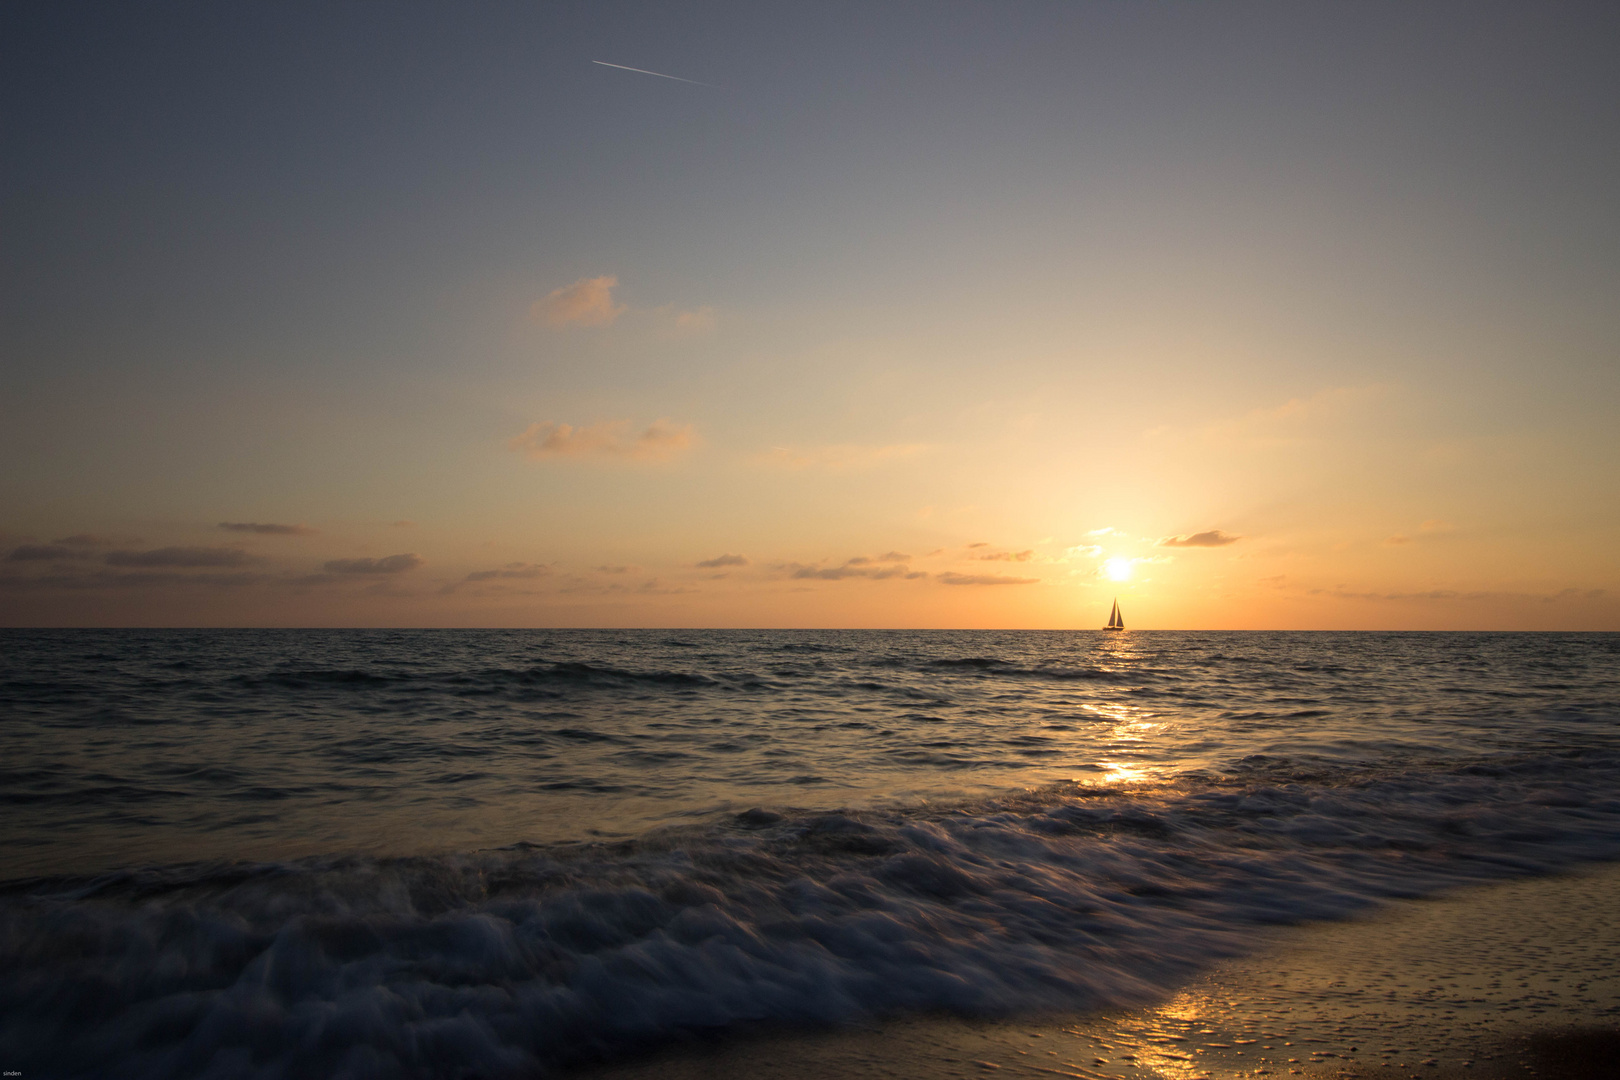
x,y
660,74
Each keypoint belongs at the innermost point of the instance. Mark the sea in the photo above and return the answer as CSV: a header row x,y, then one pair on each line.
x,y
516,853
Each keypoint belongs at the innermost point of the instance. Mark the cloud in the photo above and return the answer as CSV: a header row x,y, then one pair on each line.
x,y
42,552
1296,420
106,579
1106,530
887,557
654,586
510,570
723,560
617,569
1007,556
839,457
1430,529
266,529
391,564
90,540
182,556
984,579
587,302
695,322
879,568
1212,538
611,439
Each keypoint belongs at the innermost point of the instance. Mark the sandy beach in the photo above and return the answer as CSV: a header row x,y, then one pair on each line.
x,y
1517,979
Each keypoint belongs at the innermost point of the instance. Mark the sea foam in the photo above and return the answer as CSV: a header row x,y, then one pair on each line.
x,y
531,959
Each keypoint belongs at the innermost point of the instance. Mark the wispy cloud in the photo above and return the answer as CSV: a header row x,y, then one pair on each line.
x,y
587,302
1212,538
46,552
1007,556
723,560
510,570
267,529
133,579
389,564
883,567
1434,527
90,540
182,557
840,457
949,578
659,441
886,557
695,322
1295,421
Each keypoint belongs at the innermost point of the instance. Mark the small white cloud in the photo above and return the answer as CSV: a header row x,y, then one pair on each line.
x,y
587,302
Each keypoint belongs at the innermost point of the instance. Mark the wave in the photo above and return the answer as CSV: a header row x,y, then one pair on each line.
x,y
531,959
566,672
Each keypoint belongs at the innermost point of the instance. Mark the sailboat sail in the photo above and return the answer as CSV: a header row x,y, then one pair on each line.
x,y
1114,620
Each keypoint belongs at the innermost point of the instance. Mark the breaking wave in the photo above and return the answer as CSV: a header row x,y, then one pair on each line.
x,y
531,959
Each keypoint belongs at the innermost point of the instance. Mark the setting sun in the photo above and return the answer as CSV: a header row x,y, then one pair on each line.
x,y
1117,569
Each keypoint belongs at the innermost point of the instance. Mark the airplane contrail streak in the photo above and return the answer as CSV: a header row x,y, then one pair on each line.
x,y
660,74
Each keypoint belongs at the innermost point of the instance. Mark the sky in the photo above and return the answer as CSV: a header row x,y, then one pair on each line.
x,y
1249,315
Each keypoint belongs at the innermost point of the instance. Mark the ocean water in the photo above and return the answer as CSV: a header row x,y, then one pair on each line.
x,y
509,853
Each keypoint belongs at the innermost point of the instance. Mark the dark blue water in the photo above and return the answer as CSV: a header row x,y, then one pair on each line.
x,y
313,853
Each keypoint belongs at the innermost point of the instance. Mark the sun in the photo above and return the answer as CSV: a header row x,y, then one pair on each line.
x,y
1117,569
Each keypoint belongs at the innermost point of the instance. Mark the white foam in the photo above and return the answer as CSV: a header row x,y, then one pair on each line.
x,y
531,959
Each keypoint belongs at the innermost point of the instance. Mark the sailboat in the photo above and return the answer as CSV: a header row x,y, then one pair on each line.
x,y
1114,621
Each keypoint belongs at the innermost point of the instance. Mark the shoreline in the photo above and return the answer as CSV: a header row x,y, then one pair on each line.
x,y
1487,982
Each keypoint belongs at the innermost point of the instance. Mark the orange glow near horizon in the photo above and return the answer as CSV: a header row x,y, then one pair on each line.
x,y
837,351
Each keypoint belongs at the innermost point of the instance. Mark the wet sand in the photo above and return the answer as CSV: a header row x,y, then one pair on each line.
x,y
1513,980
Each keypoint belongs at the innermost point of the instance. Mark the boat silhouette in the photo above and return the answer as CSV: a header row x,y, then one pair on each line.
x,y
1114,620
